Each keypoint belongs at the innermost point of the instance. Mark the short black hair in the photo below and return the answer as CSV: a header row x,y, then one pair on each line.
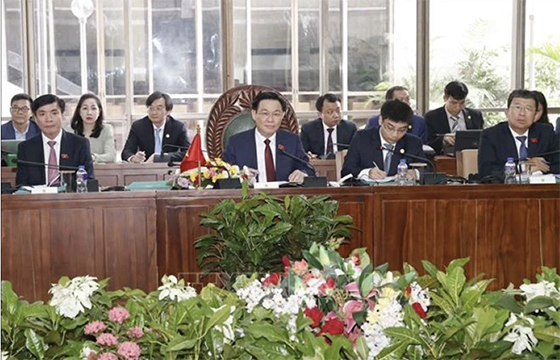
x,y
268,95
21,96
46,100
158,95
329,97
542,101
396,110
523,94
389,94
457,90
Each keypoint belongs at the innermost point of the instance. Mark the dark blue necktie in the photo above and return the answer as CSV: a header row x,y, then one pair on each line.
x,y
523,153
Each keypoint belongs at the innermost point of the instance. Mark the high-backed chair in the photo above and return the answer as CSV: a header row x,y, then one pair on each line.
x,y
231,114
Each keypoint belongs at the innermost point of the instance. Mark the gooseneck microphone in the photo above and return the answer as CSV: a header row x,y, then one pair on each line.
x,y
282,150
58,167
426,178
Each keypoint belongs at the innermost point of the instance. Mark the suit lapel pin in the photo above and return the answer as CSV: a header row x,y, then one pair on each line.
x,y
167,136
534,140
64,156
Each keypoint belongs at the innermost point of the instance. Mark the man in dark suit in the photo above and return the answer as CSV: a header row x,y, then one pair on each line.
x,y
367,156
156,133
262,149
417,124
327,134
20,127
443,122
53,146
519,138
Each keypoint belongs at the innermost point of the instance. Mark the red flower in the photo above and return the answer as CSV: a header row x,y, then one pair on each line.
x,y
286,262
329,284
418,308
333,326
314,314
534,140
272,279
64,156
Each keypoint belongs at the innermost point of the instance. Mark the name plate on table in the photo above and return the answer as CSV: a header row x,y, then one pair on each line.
x,y
44,190
542,179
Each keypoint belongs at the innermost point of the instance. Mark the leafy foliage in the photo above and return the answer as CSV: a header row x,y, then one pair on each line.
x,y
254,234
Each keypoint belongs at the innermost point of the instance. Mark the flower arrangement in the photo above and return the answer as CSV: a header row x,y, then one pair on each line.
x,y
209,174
320,307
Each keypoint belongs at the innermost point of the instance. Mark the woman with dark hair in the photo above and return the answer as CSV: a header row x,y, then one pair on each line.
x,y
542,109
87,121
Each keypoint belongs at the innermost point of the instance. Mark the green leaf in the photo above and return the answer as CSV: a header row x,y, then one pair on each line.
x,y
180,343
457,263
538,303
362,349
454,283
442,303
394,351
550,334
403,334
546,349
430,268
270,332
9,299
35,344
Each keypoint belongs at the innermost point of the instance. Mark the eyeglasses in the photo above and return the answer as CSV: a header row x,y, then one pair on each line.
x,y
23,109
156,108
274,115
518,108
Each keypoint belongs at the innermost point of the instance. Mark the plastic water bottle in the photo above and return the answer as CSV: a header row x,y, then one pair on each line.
x,y
81,179
509,171
402,173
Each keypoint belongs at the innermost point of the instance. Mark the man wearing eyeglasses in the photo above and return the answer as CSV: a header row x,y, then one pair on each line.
x,y
375,153
519,137
20,127
157,133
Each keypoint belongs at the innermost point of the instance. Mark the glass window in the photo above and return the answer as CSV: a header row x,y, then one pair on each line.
x,y
12,53
542,66
474,47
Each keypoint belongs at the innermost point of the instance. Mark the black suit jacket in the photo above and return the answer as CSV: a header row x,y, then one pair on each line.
x,y
365,148
241,150
74,151
141,138
497,144
313,139
437,123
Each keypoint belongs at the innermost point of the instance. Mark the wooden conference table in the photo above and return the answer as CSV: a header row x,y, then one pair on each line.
x,y
134,238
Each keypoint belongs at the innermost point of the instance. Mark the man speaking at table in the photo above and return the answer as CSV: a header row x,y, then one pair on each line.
x,y
375,153
267,150
54,146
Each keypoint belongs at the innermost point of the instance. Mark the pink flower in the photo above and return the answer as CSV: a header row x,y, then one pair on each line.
x,y
129,350
325,289
108,356
118,315
94,327
349,308
135,332
107,339
300,267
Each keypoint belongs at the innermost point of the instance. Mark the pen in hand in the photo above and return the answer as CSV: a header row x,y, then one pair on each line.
x,y
375,165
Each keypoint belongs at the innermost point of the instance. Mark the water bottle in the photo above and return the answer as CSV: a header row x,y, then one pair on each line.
x,y
81,179
509,171
402,173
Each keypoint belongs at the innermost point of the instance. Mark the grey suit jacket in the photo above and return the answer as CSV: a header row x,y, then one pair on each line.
x,y
103,147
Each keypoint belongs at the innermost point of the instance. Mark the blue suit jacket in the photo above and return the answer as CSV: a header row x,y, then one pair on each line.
x,y
417,126
74,151
313,139
8,132
366,148
241,150
497,144
141,138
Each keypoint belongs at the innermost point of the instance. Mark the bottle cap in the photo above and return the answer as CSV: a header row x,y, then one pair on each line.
x,y
509,158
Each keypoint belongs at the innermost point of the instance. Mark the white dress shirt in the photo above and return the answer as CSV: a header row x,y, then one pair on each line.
x,y
20,135
326,137
259,141
47,151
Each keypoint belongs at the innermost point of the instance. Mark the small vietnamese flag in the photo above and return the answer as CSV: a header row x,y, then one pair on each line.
x,y
194,156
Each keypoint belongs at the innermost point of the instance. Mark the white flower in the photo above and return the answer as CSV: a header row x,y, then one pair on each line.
x,y
419,295
175,290
521,336
86,351
543,288
227,327
4,355
73,297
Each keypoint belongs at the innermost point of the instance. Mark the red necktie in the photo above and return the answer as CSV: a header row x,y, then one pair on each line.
x,y
269,162
53,166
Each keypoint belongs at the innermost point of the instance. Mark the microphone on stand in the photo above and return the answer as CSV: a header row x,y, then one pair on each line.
x,y
308,181
426,178
58,167
163,157
518,160
331,156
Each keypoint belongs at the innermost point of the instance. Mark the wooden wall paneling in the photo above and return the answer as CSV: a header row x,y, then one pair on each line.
x,y
108,179
549,238
21,254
